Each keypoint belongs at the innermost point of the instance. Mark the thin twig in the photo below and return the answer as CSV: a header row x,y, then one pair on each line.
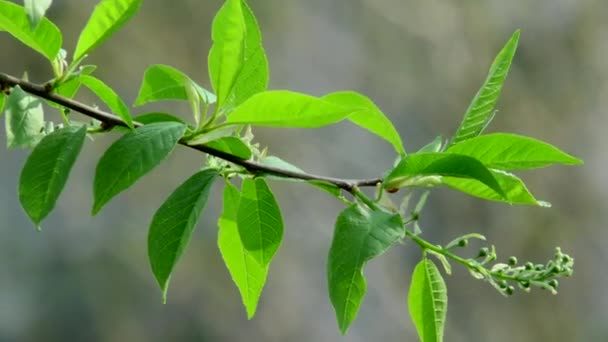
x,y
44,91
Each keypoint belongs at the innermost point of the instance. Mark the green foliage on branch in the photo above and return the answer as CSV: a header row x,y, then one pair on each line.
x,y
251,226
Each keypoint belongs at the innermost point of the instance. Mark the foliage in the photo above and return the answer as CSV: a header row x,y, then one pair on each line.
x,y
251,226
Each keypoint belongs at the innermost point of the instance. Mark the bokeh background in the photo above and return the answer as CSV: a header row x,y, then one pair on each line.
x,y
88,279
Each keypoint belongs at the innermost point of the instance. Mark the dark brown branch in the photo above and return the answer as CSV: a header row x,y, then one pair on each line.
x,y
7,81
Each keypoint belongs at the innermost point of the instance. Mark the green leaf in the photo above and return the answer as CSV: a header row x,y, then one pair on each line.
x,y
231,145
439,164
237,63
280,108
259,220
252,77
369,116
47,169
108,16
2,100
109,97
248,275
359,236
149,118
173,224
131,157
45,39
481,110
433,146
282,164
35,10
24,119
428,301
515,190
512,152
162,82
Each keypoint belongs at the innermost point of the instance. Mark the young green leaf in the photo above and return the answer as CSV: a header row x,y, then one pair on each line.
x,y
162,82
24,119
428,301
231,145
280,108
248,275
35,10
515,190
2,100
173,224
359,236
109,97
259,220
481,110
433,146
131,157
237,63
149,118
108,16
439,164
47,169
512,152
45,39
369,116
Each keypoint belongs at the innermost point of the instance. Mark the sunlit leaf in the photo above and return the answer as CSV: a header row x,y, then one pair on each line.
x,y
24,119
107,17
131,157
47,169
359,236
109,97
45,39
512,152
231,145
369,117
35,10
163,82
481,110
248,275
428,301
259,220
173,224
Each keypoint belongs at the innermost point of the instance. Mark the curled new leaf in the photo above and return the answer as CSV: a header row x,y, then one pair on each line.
x,y
107,18
45,38
512,152
131,157
247,273
481,110
359,236
428,301
259,220
174,223
47,169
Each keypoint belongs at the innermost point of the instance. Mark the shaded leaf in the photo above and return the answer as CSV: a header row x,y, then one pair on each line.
x,y
231,145
248,275
481,110
173,224
369,116
109,97
259,220
132,156
47,169
45,39
35,10
282,164
512,152
163,82
439,164
281,108
149,118
359,236
24,119
428,301
107,17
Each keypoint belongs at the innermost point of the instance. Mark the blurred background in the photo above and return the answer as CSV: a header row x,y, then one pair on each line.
x,y
87,278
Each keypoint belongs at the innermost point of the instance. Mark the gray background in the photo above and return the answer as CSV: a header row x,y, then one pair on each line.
x,y
88,279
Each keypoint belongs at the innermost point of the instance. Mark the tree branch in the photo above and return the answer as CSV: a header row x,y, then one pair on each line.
x,y
45,92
